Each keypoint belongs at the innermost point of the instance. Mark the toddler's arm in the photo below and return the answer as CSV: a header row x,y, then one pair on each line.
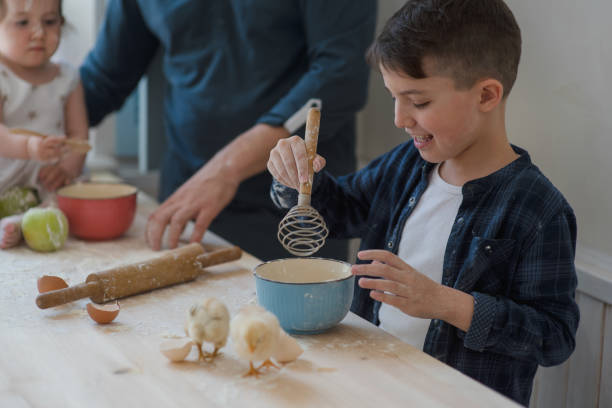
x,y
71,165
20,146
75,115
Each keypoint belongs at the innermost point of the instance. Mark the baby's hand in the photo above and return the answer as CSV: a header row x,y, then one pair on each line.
x,y
44,149
288,162
54,176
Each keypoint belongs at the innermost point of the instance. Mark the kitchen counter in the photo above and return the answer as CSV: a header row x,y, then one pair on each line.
x,y
59,357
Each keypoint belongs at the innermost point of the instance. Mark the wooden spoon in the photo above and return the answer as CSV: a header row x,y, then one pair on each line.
x,y
75,145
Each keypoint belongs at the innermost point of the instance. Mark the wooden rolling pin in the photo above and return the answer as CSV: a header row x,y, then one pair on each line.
x,y
76,145
177,266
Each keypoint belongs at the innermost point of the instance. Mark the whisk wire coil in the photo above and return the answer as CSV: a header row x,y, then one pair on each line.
x,y
303,231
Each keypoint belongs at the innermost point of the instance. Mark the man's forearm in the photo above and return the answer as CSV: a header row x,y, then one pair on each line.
x,y
246,155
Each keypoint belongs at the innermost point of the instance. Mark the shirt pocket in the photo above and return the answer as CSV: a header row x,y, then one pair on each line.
x,y
486,267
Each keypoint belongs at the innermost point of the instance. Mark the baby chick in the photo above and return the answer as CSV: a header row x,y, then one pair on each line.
x,y
287,350
255,333
208,321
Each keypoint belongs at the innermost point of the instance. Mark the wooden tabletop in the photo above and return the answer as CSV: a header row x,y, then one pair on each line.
x,y
61,358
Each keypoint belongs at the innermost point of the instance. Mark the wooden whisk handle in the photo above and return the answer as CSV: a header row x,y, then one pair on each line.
x,y
311,139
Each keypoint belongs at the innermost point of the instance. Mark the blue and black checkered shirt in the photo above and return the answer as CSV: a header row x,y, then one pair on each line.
x,y
511,247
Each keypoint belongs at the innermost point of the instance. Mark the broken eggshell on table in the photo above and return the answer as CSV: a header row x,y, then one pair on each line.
x,y
47,283
176,350
103,314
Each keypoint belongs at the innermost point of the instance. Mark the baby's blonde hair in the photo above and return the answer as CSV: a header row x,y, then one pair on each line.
x,y
3,10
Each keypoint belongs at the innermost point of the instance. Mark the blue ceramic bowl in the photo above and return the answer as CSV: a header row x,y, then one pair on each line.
x,y
308,295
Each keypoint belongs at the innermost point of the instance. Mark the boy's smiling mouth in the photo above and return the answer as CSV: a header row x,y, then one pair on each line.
x,y
420,141
422,138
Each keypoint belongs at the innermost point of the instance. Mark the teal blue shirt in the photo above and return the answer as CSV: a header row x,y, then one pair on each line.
x,y
230,64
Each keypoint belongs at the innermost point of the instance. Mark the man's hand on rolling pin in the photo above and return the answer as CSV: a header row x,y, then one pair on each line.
x,y
288,162
202,198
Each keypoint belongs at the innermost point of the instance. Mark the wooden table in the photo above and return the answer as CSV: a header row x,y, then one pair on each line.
x,y
60,358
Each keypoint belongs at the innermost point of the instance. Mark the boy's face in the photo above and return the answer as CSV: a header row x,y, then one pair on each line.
x,y
441,119
29,31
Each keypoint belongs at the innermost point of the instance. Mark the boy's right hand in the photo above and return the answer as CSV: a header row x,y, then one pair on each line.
x,y
44,149
288,162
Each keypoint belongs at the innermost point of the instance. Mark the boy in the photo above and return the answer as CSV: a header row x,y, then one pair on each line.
x,y
471,247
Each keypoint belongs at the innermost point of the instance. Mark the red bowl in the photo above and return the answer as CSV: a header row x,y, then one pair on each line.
x,y
98,211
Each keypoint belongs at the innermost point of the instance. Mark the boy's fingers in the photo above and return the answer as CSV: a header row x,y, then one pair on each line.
x,y
301,160
382,256
379,270
382,285
388,298
290,167
279,174
284,162
318,163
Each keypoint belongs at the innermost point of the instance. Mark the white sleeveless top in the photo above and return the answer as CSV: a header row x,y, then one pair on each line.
x,y
422,246
34,107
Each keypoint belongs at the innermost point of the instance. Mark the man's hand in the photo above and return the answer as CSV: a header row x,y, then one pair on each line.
x,y
213,187
201,198
410,291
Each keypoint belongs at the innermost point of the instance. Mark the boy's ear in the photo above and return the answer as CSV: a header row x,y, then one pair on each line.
x,y
491,94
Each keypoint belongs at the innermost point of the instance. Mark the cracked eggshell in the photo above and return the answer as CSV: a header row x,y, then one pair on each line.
x,y
103,314
288,349
176,350
47,283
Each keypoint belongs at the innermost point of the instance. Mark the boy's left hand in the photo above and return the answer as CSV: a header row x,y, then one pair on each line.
x,y
400,285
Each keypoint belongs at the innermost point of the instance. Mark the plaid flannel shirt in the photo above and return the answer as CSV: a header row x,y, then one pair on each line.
x,y
511,247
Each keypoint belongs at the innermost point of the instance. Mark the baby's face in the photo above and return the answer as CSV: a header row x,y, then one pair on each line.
x,y
442,120
29,31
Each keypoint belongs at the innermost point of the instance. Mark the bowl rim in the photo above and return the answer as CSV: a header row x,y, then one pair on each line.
x,y
114,197
302,283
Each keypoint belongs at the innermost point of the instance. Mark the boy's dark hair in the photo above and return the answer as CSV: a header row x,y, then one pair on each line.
x,y
467,40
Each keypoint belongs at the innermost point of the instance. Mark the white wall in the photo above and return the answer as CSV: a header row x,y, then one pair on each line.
x,y
559,109
83,18
376,132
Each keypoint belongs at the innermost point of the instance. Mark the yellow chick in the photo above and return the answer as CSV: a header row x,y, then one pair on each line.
x,y
287,350
255,333
208,321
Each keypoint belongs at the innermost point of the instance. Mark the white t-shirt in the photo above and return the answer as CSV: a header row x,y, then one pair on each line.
x,y
33,107
422,246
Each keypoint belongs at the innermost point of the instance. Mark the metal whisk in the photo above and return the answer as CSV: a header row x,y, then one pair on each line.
x,y
303,231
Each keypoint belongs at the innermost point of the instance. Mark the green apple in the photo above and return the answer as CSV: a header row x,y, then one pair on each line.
x,y
17,200
44,229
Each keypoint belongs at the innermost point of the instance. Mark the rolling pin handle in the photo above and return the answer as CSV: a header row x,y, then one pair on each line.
x,y
66,295
219,256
